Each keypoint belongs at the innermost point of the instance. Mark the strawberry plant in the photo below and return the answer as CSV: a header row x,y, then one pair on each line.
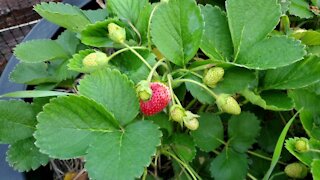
x,y
175,89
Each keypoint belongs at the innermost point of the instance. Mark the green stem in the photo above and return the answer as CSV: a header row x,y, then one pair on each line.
x,y
144,176
185,165
191,103
138,55
202,108
314,150
251,176
125,49
170,88
149,23
263,157
199,84
276,174
154,68
188,71
203,67
177,100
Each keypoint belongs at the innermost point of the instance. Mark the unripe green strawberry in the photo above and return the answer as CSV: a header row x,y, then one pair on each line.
x,y
213,76
177,113
95,60
296,170
143,90
228,104
191,121
302,145
116,33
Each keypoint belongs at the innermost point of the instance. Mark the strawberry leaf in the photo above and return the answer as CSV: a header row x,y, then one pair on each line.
x,y
40,50
130,65
113,90
300,8
210,132
216,41
38,73
297,75
315,169
97,34
17,121
127,9
310,115
268,53
96,15
123,154
305,157
231,83
69,124
64,15
245,19
69,41
240,139
176,30
23,155
198,92
270,100
229,164
183,146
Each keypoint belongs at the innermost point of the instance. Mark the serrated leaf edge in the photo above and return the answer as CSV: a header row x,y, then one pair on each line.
x,y
35,135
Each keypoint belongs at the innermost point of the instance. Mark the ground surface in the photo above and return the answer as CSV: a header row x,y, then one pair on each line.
x,y
12,14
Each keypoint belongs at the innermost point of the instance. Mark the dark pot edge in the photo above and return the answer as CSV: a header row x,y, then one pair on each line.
x,y
42,30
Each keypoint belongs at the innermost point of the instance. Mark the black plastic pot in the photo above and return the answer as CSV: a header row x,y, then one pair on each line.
x,y
42,30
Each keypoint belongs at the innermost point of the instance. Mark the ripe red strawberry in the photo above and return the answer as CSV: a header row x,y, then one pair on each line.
x,y
159,100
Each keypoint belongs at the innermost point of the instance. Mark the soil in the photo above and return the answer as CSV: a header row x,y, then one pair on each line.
x,y
14,13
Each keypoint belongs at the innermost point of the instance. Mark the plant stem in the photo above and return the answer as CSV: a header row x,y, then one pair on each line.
x,y
125,49
199,84
191,103
263,157
149,23
171,90
154,68
202,108
138,55
199,68
251,176
194,175
276,174
188,71
177,99
315,150
144,176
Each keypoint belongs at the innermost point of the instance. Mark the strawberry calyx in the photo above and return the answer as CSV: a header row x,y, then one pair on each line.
x,y
143,90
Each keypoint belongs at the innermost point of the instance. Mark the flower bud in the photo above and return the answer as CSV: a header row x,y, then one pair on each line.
x,y
296,170
116,33
228,104
143,90
95,60
177,113
191,121
213,76
302,145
